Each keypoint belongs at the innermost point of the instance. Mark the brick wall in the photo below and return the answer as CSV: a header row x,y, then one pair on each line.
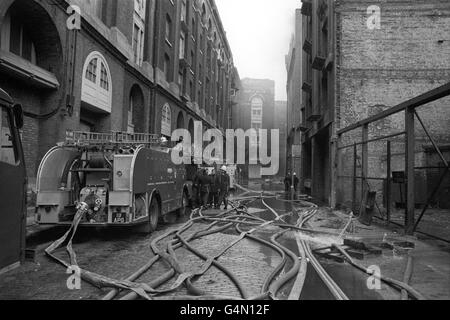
x,y
377,69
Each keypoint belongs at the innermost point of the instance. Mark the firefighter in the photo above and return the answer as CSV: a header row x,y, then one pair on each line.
x,y
215,187
296,182
196,201
287,182
224,180
205,185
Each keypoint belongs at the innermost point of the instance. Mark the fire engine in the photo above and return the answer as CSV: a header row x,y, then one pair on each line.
x,y
126,179
13,186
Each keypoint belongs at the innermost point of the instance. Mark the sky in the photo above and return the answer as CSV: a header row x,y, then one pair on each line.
x,y
259,33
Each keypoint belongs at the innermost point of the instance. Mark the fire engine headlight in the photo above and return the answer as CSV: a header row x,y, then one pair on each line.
x,y
119,173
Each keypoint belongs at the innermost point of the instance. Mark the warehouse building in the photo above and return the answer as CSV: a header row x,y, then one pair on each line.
x,y
147,66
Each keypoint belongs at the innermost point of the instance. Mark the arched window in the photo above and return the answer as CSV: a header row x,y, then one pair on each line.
x,y
203,13
191,128
136,113
180,121
166,121
96,83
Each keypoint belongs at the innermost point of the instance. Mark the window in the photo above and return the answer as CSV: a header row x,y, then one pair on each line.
x,y
192,58
194,29
183,11
168,29
182,44
191,90
201,42
182,80
166,121
167,67
139,8
256,112
256,125
91,71
96,83
207,94
138,31
256,115
208,59
97,8
15,38
104,82
7,150
130,115
203,14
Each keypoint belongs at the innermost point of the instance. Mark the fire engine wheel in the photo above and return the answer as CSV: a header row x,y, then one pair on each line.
x,y
154,214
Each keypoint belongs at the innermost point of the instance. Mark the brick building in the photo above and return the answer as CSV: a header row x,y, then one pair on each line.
x,y
280,123
294,67
352,70
379,68
138,65
255,109
310,86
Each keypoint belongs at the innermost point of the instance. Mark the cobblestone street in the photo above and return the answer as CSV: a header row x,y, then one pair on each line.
x,y
117,258
118,253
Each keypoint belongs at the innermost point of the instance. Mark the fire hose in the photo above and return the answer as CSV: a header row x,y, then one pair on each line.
x,y
237,217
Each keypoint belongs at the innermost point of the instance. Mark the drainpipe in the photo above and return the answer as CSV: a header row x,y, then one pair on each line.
x,y
155,59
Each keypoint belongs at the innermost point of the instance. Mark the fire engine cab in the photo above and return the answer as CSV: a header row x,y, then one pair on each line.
x,y
125,179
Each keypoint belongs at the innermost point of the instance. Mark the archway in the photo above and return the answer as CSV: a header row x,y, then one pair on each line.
x,y
191,128
136,110
22,30
166,121
180,120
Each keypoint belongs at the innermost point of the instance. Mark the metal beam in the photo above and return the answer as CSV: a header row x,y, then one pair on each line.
x,y
365,161
409,165
413,103
388,181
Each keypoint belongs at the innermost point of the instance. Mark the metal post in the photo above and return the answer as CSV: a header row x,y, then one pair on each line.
x,y
364,160
355,154
388,182
336,184
409,165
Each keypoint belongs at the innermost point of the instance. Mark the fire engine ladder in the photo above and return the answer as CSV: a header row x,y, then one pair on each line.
x,y
111,140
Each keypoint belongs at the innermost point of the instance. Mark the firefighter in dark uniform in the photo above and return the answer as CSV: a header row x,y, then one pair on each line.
x,y
215,188
205,185
296,182
196,201
224,180
287,182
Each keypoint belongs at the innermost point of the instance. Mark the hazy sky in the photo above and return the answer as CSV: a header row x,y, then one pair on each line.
x,y
259,33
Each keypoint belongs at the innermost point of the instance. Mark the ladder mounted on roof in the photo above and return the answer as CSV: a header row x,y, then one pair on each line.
x,y
81,139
